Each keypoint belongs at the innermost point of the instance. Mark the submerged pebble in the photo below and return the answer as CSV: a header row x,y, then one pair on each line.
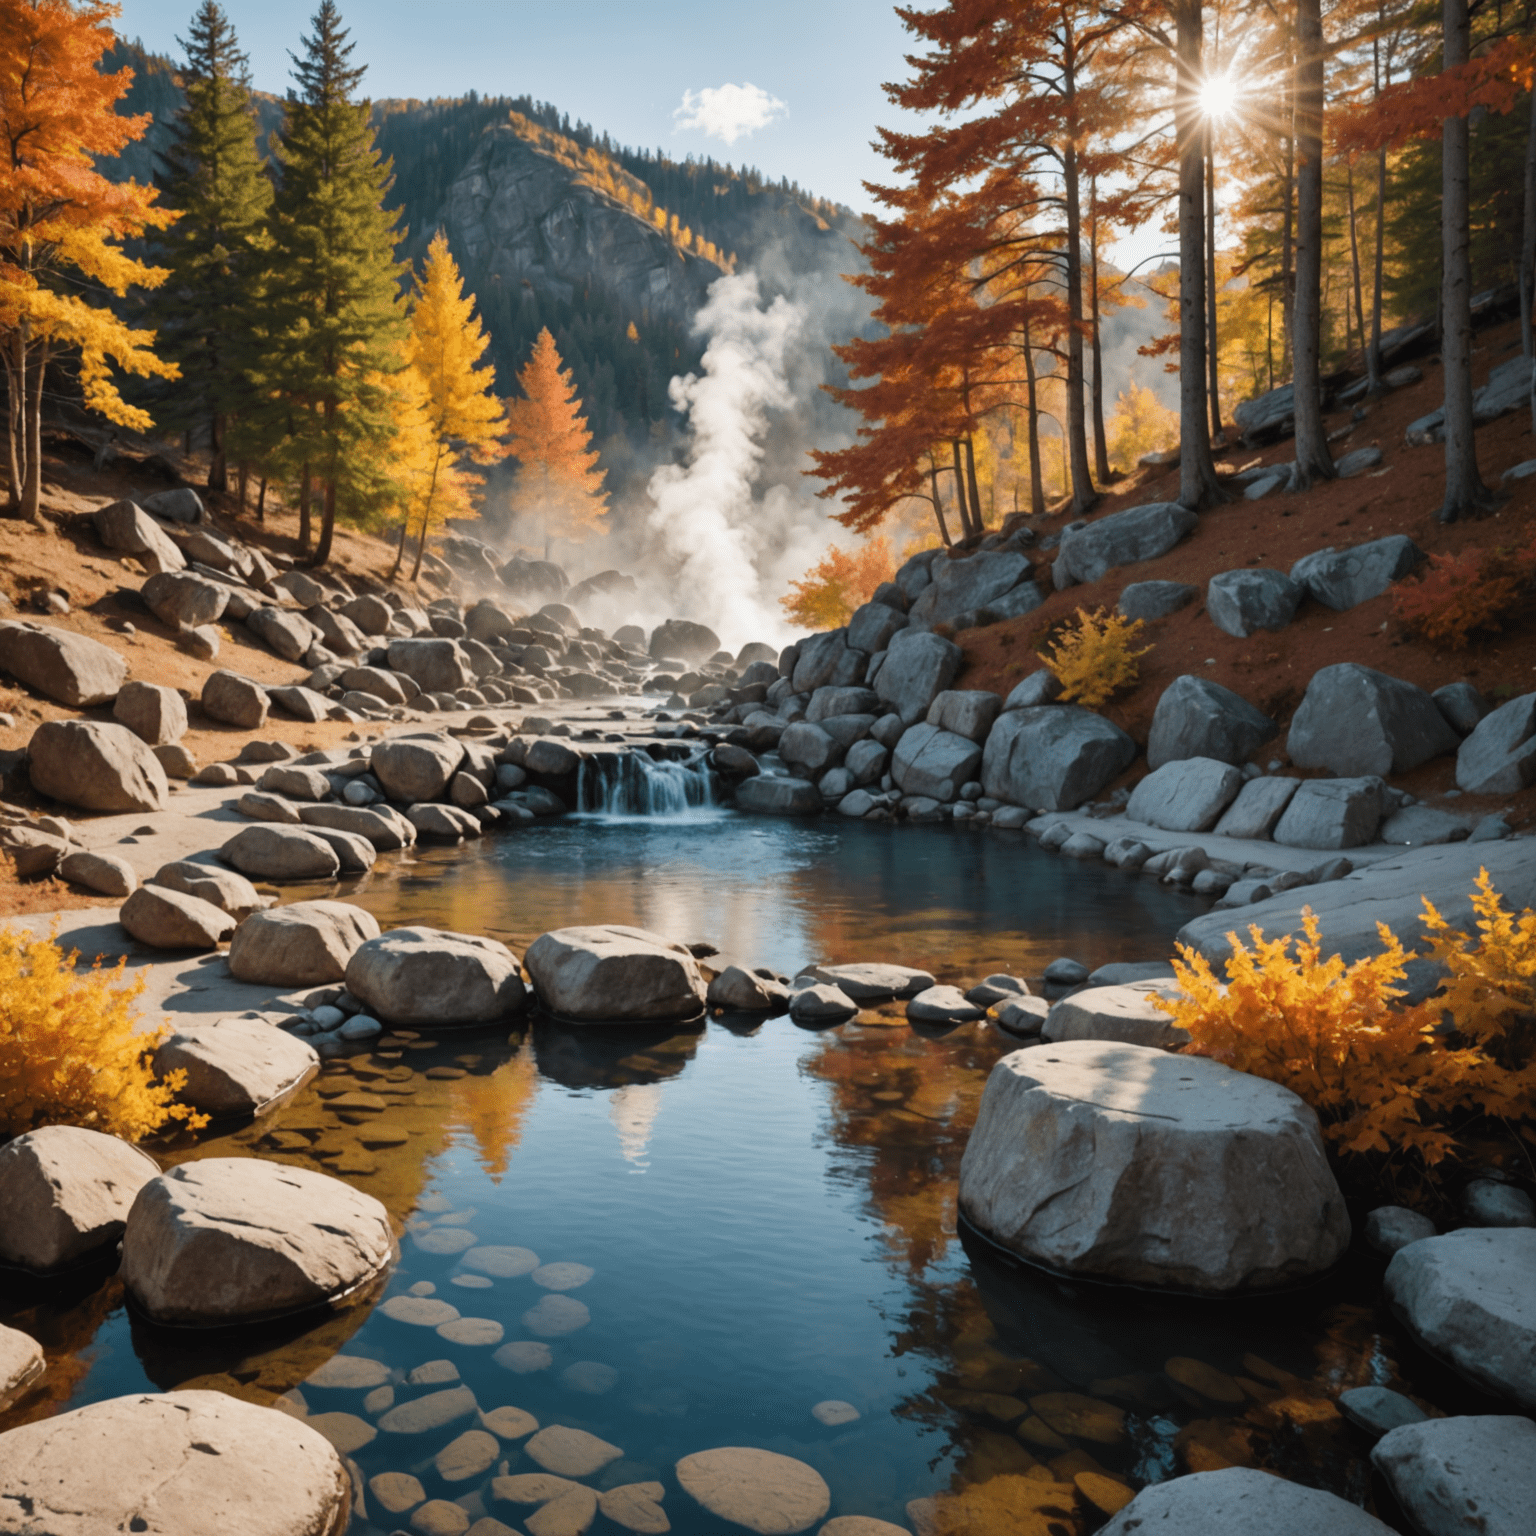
x,y
478,1332
555,1315
500,1263
419,1311
562,1277
590,1376
834,1411
445,1240
524,1356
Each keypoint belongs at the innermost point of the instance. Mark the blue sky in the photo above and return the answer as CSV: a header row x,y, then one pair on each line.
x,y
621,65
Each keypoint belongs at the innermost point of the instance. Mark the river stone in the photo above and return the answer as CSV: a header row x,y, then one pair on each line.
x,y
349,1373
1422,826
382,826
294,782
235,700
570,1452
63,666
396,1492
167,919
933,762
553,1315
871,982
471,1454
1185,796
1155,599
919,666
568,1514
1259,805
445,1240
1343,578
430,976
437,1410
305,944
21,1362
1124,1013
943,1005
1499,757
615,973
1377,1410
356,854
1198,718
1053,757
739,990
968,712
808,751
637,1507
65,1193
530,1488
235,1067
221,888
1331,813
1467,1298
1390,1227
267,852
1473,1474
104,873
503,1263
157,716
419,1311
768,1493
1125,1163
1355,720
185,600
416,768
1490,1203
1240,1501
238,1239
821,1003
472,1332
1243,601
861,1525
98,767
132,1464
1124,538
435,666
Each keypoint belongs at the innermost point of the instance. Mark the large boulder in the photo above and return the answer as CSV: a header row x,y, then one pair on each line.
x,y
156,715
1185,796
221,888
428,976
61,665
338,634
1332,813
1053,757
184,600
167,919
1266,417
829,703
235,1067
1155,599
180,505
936,763
127,527
306,944
237,1239
617,974
1499,757
1260,804
65,1194
383,826
270,852
968,712
918,667
1198,718
435,666
825,661
971,582
1467,1298
1472,1474
682,639
282,630
772,795
1342,578
172,1464
99,767
1355,720
1249,599
1124,538
234,700
1127,1013
1241,1501
371,614
413,768
873,626
808,750
1120,1162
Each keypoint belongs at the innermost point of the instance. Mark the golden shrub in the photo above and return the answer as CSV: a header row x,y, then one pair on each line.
x,y
68,1051
1093,657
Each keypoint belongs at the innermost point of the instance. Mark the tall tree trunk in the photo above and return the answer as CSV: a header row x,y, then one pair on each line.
x,y
1100,445
1212,338
1313,461
16,395
1288,232
327,523
1354,253
1465,493
261,501
304,510
1084,496
973,490
961,500
1528,254
938,500
1373,351
394,570
1198,485
32,483
218,468
243,481
1032,417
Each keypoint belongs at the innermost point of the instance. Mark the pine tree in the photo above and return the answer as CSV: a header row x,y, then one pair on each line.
x,y
458,411
558,483
337,314
61,221
209,307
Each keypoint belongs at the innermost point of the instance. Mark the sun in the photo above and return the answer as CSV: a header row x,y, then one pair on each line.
x,y
1218,96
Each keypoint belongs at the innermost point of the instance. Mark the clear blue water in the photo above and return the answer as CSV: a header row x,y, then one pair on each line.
x,y
768,1212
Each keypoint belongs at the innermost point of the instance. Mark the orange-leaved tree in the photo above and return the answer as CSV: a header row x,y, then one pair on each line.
x,y
61,221
841,581
559,483
460,416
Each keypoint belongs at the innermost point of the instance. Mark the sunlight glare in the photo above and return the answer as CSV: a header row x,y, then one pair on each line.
x,y
1218,96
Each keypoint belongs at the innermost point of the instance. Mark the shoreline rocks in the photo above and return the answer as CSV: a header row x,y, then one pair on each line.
x,y
611,973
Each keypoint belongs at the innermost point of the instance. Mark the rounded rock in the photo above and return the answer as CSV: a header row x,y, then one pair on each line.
x,y
429,976
570,1452
267,852
306,944
555,1315
1239,1501
615,973
166,919
768,1493
235,1067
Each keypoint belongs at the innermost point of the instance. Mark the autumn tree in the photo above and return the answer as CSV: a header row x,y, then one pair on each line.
x,y
208,308
838,584
459,416
62,224
337,320
558,482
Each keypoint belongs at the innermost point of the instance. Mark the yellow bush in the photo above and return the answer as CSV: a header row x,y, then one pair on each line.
x,y
1378,1079
1093,659
68,1051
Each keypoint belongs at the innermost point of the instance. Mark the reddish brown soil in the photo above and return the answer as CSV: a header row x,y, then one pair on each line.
x,y
1272,670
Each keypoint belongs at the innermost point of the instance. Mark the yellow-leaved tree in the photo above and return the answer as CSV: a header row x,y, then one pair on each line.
x,y
61,222
1141,424
445,408
840,582
559,483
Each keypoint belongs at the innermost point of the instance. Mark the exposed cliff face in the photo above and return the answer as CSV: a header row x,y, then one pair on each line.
x,y
522,216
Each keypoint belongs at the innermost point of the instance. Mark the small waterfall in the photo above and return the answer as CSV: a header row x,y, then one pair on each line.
x,y
637,784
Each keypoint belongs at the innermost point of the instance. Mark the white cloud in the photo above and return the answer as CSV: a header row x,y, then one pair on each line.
x,y
728,112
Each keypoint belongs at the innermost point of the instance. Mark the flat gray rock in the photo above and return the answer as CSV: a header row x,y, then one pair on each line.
x,y
770,795
1332,813
1470,1476
871,982
1124,1013
968,712
1239,1501
943,1006
614,973
1124,538
1259,805
1185,796
1376,1410
1249,599
1420,826
1155,599
1198,718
